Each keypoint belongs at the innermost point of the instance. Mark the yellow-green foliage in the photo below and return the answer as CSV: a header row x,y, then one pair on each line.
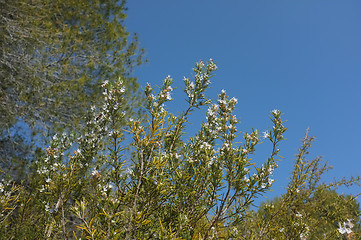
x,y
149,180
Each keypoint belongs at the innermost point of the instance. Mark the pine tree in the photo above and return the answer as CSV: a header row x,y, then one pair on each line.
x,y
54,56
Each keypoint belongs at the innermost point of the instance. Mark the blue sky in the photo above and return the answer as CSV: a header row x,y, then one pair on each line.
x,y
302,57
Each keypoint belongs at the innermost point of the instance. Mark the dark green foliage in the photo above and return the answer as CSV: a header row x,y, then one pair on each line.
x,y
54,55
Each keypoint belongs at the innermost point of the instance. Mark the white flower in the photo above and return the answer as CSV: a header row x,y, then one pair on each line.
x,y
55,137
245,178
47,207
270,170
110,133
168,96
222,102
344,229
212,65
129,171
299,215
247,137
200,64
211,162
303,236
211,112
191,85
205,145
266,134
349,223
275,111
105,83
95,172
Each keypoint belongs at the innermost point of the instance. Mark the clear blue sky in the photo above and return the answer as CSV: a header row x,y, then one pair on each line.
x,y
302,57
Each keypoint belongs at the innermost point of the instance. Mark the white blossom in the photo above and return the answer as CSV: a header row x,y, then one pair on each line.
x,y
270,170
349,223
266,134
168,96
347,227
245,178
205,145
55,137
191,85
344,229
47,207
275,111
211,112
105,83
94,172
234,100
129,171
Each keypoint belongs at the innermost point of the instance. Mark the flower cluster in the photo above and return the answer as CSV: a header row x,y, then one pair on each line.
x,y
156,103
265,175
346,228
195,90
